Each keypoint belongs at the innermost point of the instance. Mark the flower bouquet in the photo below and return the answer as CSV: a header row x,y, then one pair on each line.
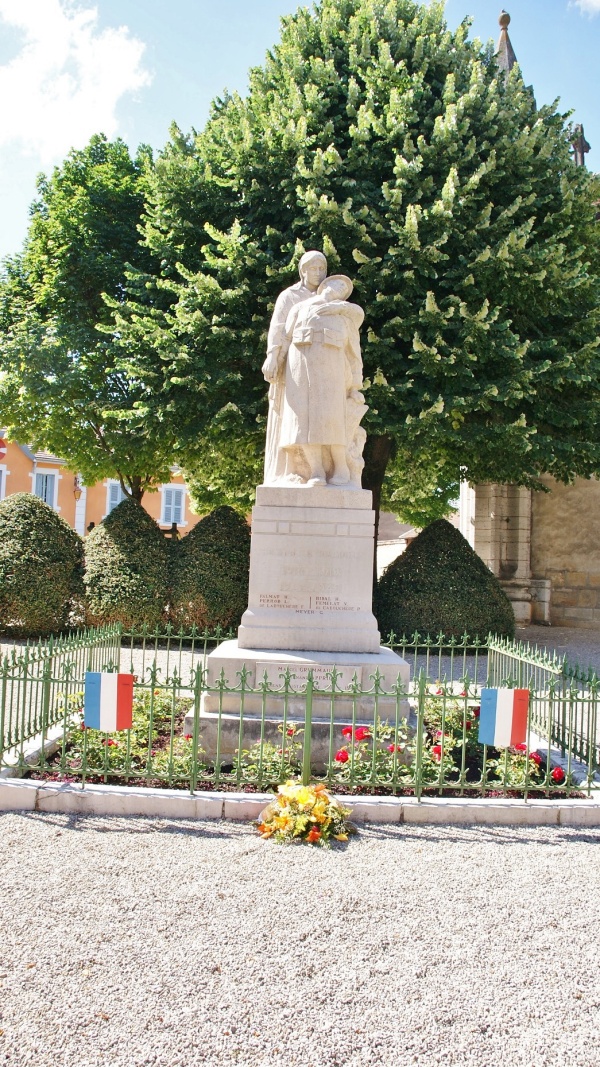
x,y
305,813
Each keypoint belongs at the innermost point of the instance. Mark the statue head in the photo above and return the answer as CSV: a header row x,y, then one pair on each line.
x,y
336,287
312,269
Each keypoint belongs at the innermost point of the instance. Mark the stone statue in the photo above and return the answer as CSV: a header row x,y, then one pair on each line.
x,y
312,269
315,370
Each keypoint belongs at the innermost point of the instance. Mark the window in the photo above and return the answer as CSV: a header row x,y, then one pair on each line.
x,y
114,495
45,487
172,505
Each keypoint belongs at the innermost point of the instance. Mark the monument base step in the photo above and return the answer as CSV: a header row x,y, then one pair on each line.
x,y
220,709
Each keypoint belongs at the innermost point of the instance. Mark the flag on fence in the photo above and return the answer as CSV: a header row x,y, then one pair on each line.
x,y
503,717
108,701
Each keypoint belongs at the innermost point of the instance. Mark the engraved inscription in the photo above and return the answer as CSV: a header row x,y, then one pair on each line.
x,y
321,674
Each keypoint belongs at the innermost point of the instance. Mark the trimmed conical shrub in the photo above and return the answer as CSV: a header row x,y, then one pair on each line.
x,y
41,564
440,585
211,565
126,569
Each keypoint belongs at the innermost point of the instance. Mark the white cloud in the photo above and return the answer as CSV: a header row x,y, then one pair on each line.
x,y
591,7
67,78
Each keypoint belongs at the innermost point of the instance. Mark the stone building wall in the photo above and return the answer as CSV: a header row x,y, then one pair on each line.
x,y
565,547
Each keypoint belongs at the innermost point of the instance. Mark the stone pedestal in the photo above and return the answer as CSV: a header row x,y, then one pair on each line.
x,y
311,571
263,713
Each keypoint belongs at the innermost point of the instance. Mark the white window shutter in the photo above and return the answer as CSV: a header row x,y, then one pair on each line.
x,y
177,506
168,506
115,495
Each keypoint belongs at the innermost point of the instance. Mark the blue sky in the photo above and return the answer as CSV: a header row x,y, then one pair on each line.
x,y
70,68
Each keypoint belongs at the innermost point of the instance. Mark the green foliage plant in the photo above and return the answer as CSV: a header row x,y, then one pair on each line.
x,y
154,749
398,147
210,569
41,566
126,569
269,764
61,383
440,585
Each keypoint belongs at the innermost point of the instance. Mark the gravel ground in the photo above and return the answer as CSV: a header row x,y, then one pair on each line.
x,y
130,942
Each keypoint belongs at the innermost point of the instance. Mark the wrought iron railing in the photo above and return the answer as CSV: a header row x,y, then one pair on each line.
x,y
191,732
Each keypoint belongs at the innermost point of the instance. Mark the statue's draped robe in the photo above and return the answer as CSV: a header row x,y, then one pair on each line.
x,y
323,365
276,343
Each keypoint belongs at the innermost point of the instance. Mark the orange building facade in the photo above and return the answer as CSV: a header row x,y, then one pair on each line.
x,y
24,471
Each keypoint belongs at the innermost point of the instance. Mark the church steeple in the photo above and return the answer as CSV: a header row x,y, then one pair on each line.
x,y
505,53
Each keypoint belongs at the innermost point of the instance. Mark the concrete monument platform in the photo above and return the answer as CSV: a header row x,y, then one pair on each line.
x,y
220,711
311,571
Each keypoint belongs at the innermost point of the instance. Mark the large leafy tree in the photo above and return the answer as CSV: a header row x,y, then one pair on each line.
x,y
61,383
398,147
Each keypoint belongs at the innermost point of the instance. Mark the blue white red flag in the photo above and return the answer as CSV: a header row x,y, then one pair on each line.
x,y
503,717
108,701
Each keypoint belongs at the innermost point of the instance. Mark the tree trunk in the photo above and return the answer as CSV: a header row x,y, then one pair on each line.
x,y
133,487
376,455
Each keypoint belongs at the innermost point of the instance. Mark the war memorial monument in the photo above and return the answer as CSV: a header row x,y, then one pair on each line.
x,y
311,559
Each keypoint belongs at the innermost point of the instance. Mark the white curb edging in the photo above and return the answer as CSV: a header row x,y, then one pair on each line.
x,y
21,794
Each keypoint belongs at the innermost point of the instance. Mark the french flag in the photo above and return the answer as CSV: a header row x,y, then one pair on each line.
x,y
108,701
503,717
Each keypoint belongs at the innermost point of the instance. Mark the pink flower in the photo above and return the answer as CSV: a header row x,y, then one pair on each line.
x,y
341,756
362,733
438,733
346,731
535,756
436,752
558,775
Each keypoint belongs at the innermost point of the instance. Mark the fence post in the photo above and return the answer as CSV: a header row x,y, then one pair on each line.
x,y
422,683
307,730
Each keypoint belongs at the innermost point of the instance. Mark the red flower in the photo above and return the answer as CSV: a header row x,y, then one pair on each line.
x,y
438,733
111,743
346,731
535,756
436,752
362,733
291,730
439,692
464,693
477,712
341,756
313,836
558,775
521,748
393,748
188,737
468,724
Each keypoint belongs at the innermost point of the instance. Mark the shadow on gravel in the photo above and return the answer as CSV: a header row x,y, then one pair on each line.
x,y
439,834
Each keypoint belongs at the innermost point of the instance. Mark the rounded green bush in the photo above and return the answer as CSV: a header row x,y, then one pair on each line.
x,y
126,569
210,572
440,585
41,564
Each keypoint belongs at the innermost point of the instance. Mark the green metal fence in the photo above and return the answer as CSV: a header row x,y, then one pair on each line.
x,y
34,678
193,733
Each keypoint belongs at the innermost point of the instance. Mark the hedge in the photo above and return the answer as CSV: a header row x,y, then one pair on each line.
x,y
209,583
440,585
41,564
126,577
